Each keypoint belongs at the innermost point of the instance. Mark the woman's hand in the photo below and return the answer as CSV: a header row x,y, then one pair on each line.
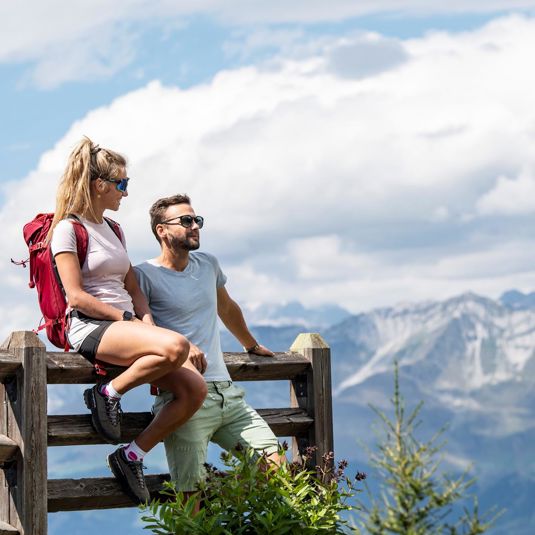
x,y
197,358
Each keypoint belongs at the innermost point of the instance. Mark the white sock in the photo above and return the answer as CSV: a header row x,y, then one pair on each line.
x,y
133,452
109,391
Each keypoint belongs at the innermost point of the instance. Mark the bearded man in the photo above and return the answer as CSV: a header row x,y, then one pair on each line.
x,y
186,293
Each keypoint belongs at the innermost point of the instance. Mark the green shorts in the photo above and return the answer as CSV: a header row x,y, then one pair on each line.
x,y
224,418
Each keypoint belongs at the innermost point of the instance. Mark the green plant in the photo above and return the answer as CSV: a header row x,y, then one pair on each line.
x,y
255,497
415,499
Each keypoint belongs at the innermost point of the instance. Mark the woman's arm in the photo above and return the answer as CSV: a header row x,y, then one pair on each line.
x,y
71,277
141,305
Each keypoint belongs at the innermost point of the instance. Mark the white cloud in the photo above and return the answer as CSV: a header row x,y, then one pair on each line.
x,y
509,196
324,188
63,41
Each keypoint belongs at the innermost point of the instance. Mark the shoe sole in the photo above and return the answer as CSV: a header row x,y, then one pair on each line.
x,y
91,404
117,471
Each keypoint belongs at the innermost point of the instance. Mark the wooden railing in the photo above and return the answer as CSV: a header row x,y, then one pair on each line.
x,y
26,430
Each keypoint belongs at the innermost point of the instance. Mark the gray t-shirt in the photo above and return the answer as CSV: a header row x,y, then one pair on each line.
x,y
186,302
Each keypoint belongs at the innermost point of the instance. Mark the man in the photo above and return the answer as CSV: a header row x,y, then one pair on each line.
x,y
186,292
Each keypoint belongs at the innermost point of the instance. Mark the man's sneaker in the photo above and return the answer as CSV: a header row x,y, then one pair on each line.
x,y
130,476
105,414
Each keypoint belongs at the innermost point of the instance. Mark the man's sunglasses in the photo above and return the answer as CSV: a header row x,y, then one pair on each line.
x,y
120,183
185,221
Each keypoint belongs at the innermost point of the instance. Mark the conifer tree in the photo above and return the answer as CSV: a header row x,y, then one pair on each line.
x,y
415,498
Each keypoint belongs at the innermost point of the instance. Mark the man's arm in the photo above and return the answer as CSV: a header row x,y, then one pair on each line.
x,y
232,316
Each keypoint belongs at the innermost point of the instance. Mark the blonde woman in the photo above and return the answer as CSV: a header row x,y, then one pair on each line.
x,y
110,320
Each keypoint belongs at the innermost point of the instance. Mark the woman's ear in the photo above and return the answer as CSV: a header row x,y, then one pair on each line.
x,y
101,185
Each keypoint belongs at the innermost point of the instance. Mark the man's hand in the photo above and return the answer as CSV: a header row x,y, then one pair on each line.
x,y
262,351
197,358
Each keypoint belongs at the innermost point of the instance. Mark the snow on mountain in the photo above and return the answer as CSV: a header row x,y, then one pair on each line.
x,y
469,358
469,340
294,313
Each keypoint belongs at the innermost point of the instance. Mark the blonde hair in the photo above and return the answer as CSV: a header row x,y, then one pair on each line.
x,y
86,162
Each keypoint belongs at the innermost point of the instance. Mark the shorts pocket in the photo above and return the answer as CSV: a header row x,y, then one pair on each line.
x,y
211,399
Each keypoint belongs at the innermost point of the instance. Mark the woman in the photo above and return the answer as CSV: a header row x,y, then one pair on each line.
x,y
110,320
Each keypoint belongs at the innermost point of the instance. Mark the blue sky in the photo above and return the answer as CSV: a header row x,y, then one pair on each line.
x,y
360,153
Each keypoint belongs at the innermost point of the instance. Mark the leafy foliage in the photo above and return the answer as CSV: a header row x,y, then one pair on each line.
x,y
253,496
415,498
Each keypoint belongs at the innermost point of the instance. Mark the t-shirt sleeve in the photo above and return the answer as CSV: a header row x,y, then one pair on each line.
x,y
143,280
221,278
63,238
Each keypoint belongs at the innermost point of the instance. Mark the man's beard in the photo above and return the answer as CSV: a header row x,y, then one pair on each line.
x,y
184,244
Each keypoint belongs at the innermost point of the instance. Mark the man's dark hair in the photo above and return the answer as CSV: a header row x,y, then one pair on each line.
x,y
157,210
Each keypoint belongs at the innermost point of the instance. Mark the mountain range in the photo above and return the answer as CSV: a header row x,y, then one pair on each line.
x,y
470,359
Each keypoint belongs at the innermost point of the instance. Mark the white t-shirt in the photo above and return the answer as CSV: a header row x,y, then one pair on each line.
x,y
104,269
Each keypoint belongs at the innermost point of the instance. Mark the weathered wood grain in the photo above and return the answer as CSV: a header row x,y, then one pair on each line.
x,y
8,449
25,399
76,429
71,368
6,529
9,364
95,493
313,393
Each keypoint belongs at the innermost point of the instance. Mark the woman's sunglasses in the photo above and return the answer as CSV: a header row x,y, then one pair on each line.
x,y
120,183
185,221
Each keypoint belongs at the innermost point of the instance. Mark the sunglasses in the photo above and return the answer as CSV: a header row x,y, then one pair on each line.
x,y
185,221
120,183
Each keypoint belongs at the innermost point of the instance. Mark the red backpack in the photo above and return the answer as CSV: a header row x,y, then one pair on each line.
x,y
44,274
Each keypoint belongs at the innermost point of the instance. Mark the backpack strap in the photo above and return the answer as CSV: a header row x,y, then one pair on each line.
x,y
116,229
82,239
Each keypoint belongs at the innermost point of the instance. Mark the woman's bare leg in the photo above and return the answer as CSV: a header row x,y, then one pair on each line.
x,y
149,352
189,390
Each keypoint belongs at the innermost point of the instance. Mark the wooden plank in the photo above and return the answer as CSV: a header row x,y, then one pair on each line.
x,y
5,497
26,426
244,367
34,414
12,512
71,368
6,529
9,364
8,449
74,430
316,395
95,493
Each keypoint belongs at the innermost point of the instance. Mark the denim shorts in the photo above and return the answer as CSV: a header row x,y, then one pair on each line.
x,y
224,418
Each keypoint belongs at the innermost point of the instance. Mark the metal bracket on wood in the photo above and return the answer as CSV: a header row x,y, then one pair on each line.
x,y
300,386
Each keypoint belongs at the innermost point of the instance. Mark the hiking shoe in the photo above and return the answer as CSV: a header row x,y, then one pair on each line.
x,y
105,414
130,476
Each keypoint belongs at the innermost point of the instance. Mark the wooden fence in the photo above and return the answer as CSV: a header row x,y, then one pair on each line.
x,y
26,429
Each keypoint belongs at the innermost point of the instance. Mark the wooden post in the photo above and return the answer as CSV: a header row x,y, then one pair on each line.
x,y
312,392
24,418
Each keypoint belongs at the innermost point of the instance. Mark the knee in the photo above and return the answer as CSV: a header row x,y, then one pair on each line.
x,y
200,394
196,399
192,392
176,350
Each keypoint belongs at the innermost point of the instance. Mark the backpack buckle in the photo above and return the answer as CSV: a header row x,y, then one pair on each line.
x,y
100,370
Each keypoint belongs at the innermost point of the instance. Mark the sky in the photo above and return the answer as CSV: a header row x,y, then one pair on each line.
x,y
362,153
358,153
